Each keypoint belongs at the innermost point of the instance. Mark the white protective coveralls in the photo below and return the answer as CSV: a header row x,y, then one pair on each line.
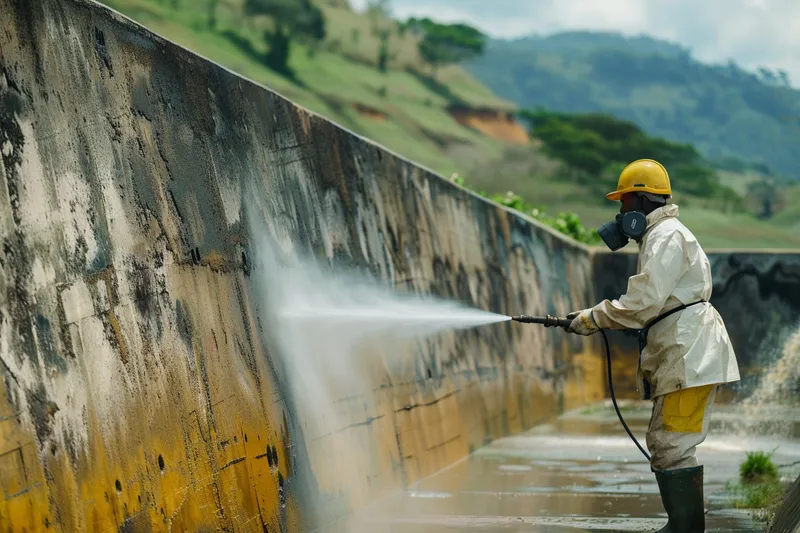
x,y
689,349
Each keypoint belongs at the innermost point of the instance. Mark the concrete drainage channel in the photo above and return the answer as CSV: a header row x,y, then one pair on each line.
x,y
578,473
142,385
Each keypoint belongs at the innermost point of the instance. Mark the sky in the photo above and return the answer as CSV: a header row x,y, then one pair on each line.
x,y
754,33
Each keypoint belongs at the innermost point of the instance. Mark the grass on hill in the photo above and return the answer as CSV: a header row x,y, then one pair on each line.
x,y
333,80
713,228
406,110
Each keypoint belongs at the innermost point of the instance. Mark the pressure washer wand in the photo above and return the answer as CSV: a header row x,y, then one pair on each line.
x,y
560,322
547,320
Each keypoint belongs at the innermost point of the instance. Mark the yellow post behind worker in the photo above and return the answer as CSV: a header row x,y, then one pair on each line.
x,y
684,355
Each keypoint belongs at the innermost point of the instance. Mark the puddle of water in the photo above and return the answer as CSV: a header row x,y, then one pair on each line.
x,y
600,467
515,468
633,489
436,495
619,479
561,482
554,464
587,442
493,523
723,443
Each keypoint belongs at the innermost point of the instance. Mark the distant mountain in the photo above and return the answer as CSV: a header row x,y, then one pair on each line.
x,y
725,111
579,42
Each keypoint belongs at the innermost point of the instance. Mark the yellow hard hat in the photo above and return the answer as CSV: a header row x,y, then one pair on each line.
x,y
643,175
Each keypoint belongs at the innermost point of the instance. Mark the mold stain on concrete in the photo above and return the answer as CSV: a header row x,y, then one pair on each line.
x,y
140,389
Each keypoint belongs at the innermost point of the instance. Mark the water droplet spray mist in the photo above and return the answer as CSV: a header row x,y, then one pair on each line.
x,y
336,338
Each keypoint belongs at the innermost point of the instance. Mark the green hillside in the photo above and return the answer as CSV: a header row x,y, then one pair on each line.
x,y
442,118
559,188
401,109
721,109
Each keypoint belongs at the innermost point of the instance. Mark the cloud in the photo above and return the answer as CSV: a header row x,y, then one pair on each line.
x,y
754,33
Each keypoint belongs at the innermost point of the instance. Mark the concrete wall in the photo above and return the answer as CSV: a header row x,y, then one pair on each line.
x,y
756,293
144,382
141,384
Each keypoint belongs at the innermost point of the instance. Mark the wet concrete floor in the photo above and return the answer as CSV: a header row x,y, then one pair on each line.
x,y
579,473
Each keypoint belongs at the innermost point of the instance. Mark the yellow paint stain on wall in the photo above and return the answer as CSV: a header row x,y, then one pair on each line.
x,y
193,449
24,505
24,489
162,464
587,377
181,419
624,364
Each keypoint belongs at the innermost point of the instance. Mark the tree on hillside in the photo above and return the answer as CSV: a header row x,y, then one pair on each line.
x,y
383,51
611,138
211,20
292,19
784,77
444,44
766,197
378,11
778,77
767,76
598,145
380,16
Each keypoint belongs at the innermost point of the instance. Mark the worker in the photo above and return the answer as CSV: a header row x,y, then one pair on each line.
x,y
685,351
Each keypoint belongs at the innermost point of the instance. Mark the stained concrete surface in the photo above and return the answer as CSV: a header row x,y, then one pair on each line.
x,y
141,384
579,473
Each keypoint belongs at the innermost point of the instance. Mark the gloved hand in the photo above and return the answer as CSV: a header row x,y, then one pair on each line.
x,y
582,323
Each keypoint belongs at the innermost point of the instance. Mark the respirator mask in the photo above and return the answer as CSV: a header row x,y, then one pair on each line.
x,y
617,233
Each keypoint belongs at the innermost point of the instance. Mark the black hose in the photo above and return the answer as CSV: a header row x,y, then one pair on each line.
x,y
614,399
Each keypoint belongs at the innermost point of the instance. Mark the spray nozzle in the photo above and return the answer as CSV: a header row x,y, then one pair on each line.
x,y
547,321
